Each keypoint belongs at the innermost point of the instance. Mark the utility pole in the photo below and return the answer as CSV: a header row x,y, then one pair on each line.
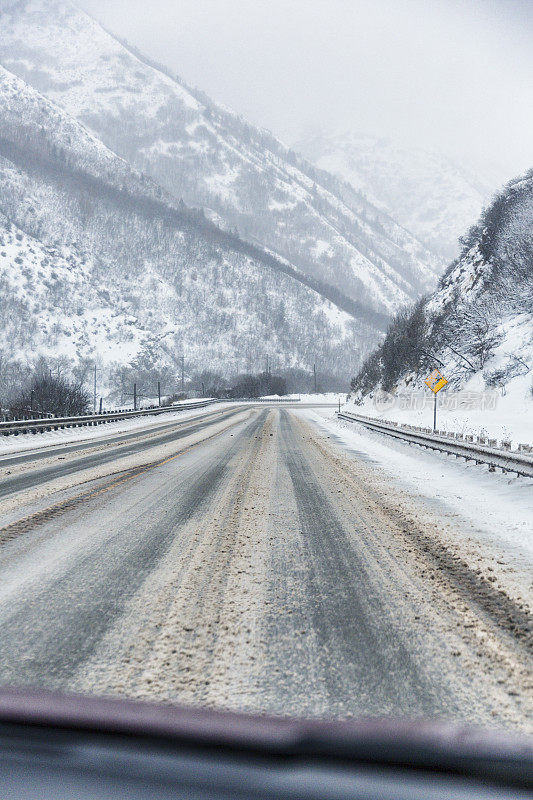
x,y
94,398
135,397
159,392
100,405
267,366
182,373
31,401
314,375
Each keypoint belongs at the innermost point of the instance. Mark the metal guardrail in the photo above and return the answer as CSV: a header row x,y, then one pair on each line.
x,y
41,425
519,461
56,423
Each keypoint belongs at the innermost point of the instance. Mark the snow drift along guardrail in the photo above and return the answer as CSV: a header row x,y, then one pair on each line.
x,y
508,460
56,423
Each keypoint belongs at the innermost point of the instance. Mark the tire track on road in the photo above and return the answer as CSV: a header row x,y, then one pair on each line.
x,y
484,630
14,529
121,448
48,633
195,619
492,603
361,650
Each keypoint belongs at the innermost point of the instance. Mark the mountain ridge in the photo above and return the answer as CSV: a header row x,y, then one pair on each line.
x,y
164,278
477,324
212,158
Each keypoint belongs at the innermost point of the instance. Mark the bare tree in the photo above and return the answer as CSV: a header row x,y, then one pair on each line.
x,y
51,394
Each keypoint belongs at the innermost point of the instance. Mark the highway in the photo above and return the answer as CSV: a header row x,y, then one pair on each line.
x,y
240,559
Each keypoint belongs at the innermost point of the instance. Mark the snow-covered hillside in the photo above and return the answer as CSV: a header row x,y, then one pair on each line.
x,y
431,196
96,261
203,153
476,328
50,304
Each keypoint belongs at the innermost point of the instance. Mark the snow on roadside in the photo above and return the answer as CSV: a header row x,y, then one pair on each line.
x,y
496,402
319,399
473,410
29,442
492,514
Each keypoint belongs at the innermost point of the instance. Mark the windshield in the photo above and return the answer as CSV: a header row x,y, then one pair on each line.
x,y
266,439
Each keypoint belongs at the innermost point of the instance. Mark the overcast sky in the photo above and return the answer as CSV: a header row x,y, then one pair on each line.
x,y
449,75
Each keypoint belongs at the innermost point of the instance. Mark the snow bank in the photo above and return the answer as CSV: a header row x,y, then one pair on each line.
x,y
319,399
502,413
492,509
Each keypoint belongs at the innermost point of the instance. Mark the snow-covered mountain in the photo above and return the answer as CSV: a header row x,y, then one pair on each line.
x,y
429,194
96,260
477,327
195,149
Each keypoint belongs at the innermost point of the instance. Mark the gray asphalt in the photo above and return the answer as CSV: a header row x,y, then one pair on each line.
x,y
246,566
51,631
36,453
129,444
341,578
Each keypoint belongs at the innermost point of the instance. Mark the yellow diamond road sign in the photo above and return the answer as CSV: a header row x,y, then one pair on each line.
x,y
436,381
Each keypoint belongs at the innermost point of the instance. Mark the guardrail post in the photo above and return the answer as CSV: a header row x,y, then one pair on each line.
x,y
460,446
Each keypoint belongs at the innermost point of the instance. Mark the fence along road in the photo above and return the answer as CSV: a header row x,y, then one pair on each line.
x,y
56,423
508,460
16,427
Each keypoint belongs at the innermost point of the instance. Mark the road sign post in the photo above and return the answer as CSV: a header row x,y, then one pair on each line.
x,y
436,381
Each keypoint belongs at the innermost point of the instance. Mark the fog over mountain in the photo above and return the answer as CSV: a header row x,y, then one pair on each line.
x,y
140,219
96,260
209,157
431,195
437,75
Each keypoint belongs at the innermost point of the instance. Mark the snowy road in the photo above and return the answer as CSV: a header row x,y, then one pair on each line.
x,y
244,559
